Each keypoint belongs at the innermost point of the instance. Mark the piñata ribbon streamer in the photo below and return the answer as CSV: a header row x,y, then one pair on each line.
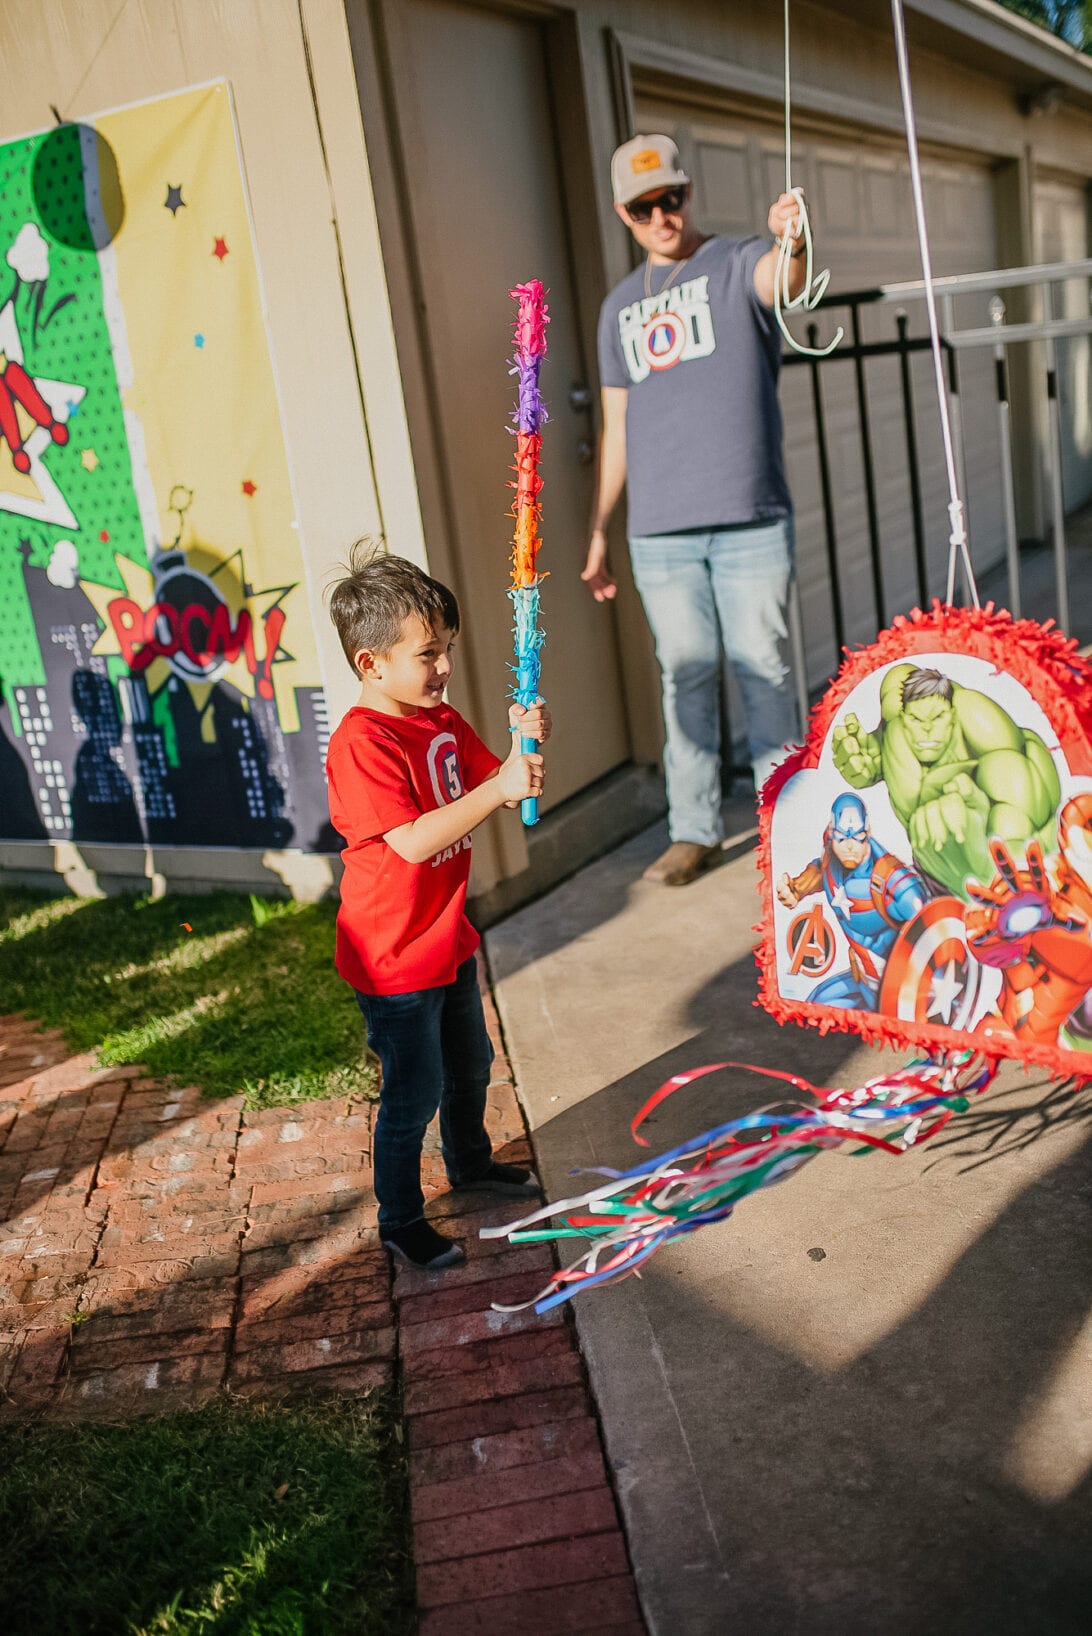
x,y
530,326
636,1212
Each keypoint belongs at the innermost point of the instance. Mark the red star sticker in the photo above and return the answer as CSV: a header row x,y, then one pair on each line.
x,y
249,487
220,249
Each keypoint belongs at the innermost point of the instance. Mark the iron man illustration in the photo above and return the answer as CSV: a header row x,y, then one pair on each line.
x,y
1036,928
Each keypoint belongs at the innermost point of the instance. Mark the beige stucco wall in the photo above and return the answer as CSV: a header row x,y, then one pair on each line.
x,y
312,212
318,252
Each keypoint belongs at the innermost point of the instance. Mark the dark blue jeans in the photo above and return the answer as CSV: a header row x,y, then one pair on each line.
x,y
435,1053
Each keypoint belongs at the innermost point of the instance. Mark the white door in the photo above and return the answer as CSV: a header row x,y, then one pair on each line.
x,y
859,196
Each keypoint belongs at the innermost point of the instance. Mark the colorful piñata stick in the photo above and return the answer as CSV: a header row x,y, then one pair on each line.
x,y
530,327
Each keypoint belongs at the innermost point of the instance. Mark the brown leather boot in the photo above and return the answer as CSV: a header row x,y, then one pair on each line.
x,y
683,862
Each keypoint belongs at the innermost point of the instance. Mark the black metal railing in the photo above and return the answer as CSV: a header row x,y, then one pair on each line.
x,y
857,353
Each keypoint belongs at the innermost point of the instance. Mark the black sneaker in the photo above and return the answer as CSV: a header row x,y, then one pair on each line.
x,y
420,1245
511,1179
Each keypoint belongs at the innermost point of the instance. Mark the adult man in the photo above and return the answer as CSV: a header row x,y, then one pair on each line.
x,y
688,361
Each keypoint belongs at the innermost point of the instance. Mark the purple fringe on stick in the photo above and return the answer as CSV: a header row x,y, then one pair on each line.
x,y
530,409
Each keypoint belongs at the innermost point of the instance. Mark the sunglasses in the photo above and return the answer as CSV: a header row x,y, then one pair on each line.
x,y
640,211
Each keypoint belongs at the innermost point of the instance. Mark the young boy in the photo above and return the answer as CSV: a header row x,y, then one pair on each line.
x,y
409,780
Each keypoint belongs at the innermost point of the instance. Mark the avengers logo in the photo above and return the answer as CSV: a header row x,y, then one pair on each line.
x,y
811,944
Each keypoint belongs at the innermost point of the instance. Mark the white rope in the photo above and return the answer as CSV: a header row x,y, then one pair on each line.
x,y
788,107
957,540
815,284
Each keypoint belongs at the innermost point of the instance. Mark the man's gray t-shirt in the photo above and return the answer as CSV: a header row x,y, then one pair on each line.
x,y
700,364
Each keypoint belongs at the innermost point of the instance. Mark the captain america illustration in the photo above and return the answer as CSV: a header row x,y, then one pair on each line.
x,y
872,895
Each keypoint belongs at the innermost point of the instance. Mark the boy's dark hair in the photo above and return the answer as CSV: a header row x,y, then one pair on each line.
x,y
370,606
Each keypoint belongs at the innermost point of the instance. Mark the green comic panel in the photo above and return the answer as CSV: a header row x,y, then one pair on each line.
x,y
67,495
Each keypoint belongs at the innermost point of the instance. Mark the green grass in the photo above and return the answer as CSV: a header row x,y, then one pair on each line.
x,y
247,1000
236,1519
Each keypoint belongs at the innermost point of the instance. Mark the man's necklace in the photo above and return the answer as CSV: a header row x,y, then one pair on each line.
x,y
672,275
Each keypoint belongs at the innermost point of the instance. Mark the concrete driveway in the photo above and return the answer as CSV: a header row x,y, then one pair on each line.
x,y
864,1404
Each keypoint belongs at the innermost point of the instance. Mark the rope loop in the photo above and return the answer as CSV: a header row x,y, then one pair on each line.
x,y
815,284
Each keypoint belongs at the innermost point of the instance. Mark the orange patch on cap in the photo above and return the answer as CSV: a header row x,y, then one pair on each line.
x,y
647,159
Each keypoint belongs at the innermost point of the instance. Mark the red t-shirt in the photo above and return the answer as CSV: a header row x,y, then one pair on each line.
x,y
401,926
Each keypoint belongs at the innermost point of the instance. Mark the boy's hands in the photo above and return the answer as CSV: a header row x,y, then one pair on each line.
x,y
517,779
535,723
521,775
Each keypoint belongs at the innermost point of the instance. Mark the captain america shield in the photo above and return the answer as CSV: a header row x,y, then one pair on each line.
x,y
931,976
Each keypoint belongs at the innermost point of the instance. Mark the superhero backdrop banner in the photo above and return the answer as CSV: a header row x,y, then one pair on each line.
x,y
159,674
927,857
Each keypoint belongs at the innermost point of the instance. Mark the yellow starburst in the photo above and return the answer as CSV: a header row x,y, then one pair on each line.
x,y
230,581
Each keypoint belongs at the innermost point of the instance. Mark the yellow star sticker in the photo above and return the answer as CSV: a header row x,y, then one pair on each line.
x,y
89,459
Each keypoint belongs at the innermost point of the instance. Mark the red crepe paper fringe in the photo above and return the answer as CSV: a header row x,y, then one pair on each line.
x,y
532,317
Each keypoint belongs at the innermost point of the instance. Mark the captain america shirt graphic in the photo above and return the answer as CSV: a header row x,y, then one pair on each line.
x,y
697,354
661,331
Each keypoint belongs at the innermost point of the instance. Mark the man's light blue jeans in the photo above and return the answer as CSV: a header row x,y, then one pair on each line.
x,y
704,594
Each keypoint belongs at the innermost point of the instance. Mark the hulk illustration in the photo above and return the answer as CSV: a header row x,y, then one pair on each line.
x,y
958,770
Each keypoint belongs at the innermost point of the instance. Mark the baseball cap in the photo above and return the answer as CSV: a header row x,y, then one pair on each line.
x,y
644,163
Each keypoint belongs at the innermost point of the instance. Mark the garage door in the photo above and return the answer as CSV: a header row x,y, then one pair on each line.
x,y
1061,234
859,193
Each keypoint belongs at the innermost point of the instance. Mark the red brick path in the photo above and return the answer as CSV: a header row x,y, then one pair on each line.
x,y
157,1248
